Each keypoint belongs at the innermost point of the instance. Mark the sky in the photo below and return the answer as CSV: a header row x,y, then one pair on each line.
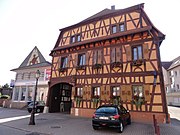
x,y
25,24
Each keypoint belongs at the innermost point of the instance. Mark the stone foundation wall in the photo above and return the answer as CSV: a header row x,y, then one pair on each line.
x,y
144,117
9,104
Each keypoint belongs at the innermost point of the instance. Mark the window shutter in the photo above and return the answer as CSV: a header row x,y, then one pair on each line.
x,y
95,57
108,92
84,93
99,56
118,54
129,92
73,92
128,53
103,93
146,51
89,93
113,57
147,93
123,93
75,60
59,63
68,61
87,58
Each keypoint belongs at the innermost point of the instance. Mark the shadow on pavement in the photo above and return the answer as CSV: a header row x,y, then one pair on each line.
x,y
175,122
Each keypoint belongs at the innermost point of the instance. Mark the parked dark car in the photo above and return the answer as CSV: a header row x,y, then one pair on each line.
x,y
39,106
111,116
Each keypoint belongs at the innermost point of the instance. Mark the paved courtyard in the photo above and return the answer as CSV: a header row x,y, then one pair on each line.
x,y
64,124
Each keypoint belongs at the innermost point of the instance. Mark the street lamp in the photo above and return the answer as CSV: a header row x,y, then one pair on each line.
x,y
32,122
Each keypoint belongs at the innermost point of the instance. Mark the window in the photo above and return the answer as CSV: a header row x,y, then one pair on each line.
x,y
16,94
175,72
171,73
137,53
79,92
78,38
177,86
64,62
73,39
138,92
114,29
96,91
23,93
30,93
115,91
81,59
121,27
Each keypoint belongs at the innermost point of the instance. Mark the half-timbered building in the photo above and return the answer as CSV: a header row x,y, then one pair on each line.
x,y
112,57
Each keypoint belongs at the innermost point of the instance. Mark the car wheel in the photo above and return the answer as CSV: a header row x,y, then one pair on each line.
x,y
38,110
95,127
121,127
129,121
29,111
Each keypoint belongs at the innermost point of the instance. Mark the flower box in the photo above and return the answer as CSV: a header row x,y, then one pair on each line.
x,y
97,66
137,62
116,65
62,69
81,67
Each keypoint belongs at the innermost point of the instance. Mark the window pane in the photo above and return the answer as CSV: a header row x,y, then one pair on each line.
x,y
23,92
115,91
82,59
16,95
30,94
139,52
114,29
134,53
78,38
140,91
121,27
96,91
72,39
64,62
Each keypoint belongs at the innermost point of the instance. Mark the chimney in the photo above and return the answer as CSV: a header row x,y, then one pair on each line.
x,y
113,7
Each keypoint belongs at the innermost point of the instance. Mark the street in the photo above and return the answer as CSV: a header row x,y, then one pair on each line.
x,y
15,122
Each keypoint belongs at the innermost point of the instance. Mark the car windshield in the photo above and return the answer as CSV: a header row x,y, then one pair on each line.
x,y
110,110
37,103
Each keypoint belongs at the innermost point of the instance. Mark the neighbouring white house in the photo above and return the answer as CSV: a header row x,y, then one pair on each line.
x,y
171,72
24,85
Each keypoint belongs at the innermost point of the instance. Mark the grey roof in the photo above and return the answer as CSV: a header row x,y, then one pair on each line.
x,y
166,65
41,61
171,64
175,63
101,13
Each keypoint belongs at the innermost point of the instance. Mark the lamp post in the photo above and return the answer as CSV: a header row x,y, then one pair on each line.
x,y
32,122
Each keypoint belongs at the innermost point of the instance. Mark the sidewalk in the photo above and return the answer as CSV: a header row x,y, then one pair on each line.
x,y
64,124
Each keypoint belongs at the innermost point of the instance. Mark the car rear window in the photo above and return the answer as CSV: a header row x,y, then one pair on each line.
x,y
106,110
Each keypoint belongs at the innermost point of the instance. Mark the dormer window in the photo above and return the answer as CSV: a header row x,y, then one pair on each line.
x,y
73,39
114,29
121,27
78,38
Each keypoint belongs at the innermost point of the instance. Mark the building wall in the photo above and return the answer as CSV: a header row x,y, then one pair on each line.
x,y
102,69
173,95
24,87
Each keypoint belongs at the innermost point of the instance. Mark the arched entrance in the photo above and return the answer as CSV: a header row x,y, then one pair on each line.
x,y
60,100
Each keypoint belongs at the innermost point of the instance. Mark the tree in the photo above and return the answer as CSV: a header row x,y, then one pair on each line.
x,y
6,86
